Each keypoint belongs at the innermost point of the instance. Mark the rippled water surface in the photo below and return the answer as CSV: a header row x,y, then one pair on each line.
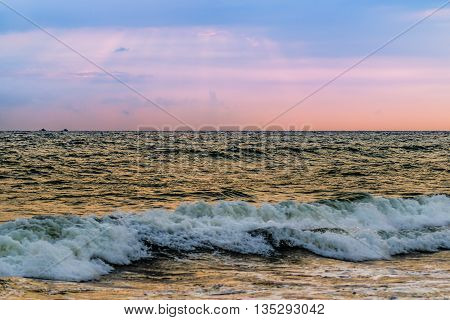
x,y
101,172
225,214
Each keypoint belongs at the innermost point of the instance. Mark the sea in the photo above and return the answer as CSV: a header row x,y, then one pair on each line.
x,y
224,215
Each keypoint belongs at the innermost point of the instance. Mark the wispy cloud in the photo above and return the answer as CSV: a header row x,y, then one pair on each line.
x,y
121,49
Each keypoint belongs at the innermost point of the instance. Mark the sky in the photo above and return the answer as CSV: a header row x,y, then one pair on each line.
x,y
224,63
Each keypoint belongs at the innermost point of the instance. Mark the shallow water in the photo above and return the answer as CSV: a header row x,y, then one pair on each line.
x,y
293,275
288,202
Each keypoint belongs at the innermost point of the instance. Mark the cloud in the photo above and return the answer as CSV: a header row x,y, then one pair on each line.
x,y
214,102
91,74
121,49
441,15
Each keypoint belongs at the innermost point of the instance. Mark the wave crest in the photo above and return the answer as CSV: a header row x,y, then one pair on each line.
x,y
83,248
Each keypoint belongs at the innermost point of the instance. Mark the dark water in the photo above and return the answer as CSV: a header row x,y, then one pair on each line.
x,y
225,214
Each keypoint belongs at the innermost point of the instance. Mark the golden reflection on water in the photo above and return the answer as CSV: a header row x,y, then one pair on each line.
x,y
103,172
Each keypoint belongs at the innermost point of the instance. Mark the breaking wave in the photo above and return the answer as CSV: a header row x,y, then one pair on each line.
x,y
82,248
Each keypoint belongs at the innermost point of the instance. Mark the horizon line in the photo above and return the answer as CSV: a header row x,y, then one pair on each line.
x,y
305,131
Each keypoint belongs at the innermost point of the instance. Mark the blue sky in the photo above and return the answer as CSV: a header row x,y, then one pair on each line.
x,y
183,53
331,26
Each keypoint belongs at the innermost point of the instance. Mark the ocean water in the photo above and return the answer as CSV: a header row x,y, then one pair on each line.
x,y
224,214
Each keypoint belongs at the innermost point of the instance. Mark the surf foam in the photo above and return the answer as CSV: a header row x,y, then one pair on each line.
x,y
83,248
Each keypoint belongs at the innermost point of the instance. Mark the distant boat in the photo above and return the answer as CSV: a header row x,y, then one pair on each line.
x,y
65,130
43,129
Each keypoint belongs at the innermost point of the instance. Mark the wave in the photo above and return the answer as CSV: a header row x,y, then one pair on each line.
x,y
78,248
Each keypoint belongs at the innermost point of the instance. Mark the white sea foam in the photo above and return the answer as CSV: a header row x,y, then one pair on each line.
x,y
83,248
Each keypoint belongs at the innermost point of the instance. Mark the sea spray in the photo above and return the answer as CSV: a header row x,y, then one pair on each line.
x,y
83,248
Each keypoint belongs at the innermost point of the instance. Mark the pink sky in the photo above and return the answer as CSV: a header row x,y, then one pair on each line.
x,y
210,76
